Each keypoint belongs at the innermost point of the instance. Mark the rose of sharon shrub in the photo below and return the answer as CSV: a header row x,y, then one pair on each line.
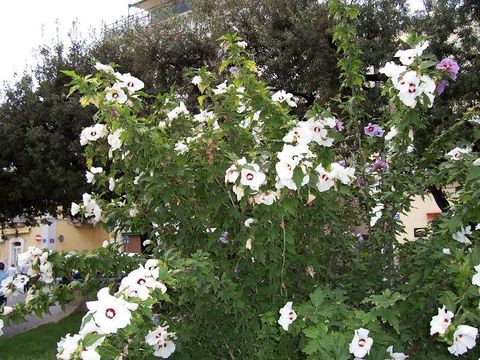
x,y
249,203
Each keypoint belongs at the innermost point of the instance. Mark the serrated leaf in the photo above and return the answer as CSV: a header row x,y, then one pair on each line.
x,y
317,297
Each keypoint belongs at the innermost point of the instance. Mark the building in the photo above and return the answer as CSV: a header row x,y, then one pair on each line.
x,y
416,220
172,6
59,234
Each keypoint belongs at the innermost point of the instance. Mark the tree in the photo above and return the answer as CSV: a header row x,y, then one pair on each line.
x,y
39,130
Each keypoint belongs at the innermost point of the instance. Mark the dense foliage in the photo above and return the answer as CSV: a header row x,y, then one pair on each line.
x,y
40,172
252,203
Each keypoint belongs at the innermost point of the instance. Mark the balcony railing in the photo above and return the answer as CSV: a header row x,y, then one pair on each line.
x,y
154,11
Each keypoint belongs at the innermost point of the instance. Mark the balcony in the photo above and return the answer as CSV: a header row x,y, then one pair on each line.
x,y
152,10
171,6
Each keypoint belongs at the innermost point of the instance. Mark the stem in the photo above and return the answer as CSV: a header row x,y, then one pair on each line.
x,y
227,191
283,289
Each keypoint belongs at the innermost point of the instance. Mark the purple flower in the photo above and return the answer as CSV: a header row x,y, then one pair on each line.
x,y
362,182
339,125
221,54
233,69
224,237
156,319
360,238
378,164
373,130
441,87
450,66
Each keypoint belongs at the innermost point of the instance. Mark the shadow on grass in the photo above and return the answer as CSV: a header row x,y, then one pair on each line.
x,y
39,343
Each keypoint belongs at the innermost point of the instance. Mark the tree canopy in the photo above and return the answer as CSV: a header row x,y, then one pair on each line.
x,y
293,46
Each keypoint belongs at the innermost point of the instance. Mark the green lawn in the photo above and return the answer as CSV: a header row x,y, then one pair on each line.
x,y
39,343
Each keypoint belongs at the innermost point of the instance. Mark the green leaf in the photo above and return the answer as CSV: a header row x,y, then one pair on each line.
x,y
474,173
317,297
90,339
312,332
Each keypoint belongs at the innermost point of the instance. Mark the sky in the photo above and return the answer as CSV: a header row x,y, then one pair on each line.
x,y
26,24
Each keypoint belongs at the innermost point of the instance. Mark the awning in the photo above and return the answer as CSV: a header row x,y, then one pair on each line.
x,y
150,4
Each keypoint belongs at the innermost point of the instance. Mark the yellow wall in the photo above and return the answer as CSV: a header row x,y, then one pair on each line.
x,y
81,238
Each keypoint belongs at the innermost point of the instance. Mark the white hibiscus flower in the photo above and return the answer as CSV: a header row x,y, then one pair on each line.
x,y
68,346
325,180
115,93
7,310
252,176
393,70
345,174
409,88
282,96
287,316
361,343
476,277
242,44
463,339
74,209
456,154
181,148
92,133
114,140
301,133
267,198
221,88
197,80
90,355
440,323
110,313
396,356
181,109
130,82
20,281
161,340
104,68
461,236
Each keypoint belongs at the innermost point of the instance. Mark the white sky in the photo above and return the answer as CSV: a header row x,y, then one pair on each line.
x,y
26,24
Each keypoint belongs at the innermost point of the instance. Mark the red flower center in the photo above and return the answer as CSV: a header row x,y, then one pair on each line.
x,y
361,342
93,133
130,84
115,95
317,129
249,176
141,281
110,313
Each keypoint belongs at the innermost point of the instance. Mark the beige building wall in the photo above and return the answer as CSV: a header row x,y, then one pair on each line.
x,y
83,237
62,235
421,212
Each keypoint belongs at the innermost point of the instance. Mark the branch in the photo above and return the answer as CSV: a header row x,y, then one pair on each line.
x,y
439,197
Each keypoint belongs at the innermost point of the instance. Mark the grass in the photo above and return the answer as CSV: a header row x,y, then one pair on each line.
x,y
41,342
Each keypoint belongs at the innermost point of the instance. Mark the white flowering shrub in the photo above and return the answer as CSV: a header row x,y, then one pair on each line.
x,y
251,208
